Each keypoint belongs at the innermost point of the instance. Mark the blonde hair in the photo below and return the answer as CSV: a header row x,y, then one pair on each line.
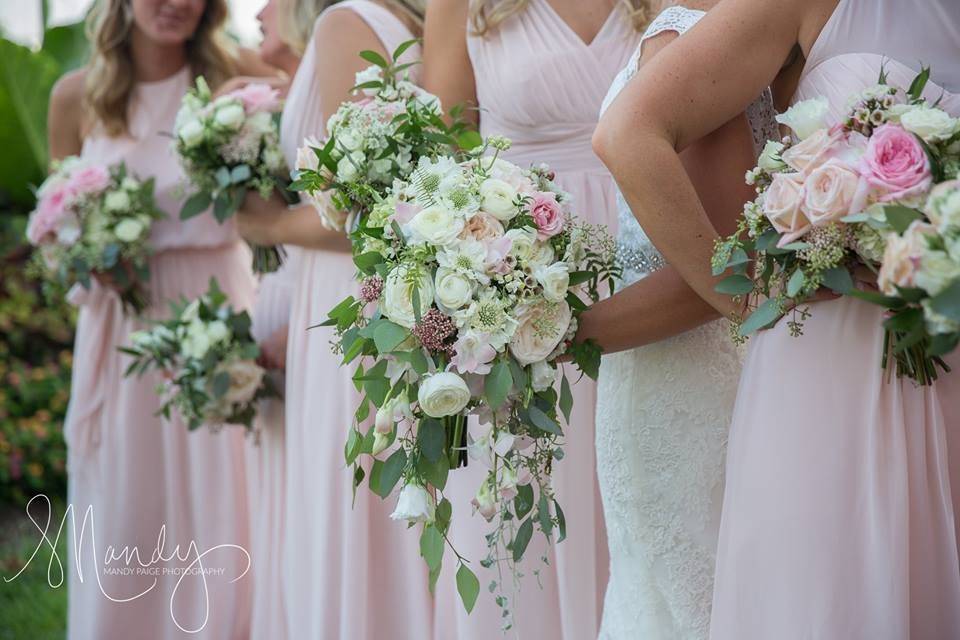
x,y
110,74
297,17
487,15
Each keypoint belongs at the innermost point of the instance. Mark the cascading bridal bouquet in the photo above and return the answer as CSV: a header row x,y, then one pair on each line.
x,y
94,220
827,203
230,145
375,140
209,360
473,276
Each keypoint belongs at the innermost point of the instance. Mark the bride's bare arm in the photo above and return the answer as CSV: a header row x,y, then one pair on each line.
x,y
690,89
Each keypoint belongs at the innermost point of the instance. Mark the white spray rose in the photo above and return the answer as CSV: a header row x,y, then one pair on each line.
x,y
806,117
443,394
196,342
191,133
230,116
770,159
218,331
415,504
541,255
454,290
555,281
116,201
497,197
398,297
522,243
128,230
933,125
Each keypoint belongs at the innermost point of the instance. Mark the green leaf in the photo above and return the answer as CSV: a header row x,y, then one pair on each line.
x,y
739,256
900,217
579,277
221,384
352,448
240,174
795,284
388,336
561,521
68,45
367,261
436,473
469,140
431,547
497,385
943,343
432,438
400,50
566,398
734,286
522,539
764,315
468,587
391,472
947,302
523,503
543,515
838,280
374,57
905,321
542,421
919,84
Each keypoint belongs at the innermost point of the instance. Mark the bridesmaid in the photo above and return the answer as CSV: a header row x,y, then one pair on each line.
x,y
538,71
348,570
839,516
134,475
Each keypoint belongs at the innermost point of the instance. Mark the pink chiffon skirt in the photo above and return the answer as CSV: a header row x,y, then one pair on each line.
x,y
839,515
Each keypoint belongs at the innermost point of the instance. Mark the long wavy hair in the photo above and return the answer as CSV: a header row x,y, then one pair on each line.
x,y
487,15
110,74
297,17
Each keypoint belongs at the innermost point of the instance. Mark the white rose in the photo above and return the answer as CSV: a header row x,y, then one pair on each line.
x,y
398,297
218,331
246,376
937,272
497,198
437,226
522,243
191,133
541,255
130,184
128,230
443,394
770,159
542,375
897,111
415,504
230,116
555,281
116,201
933,125
349,168
806,117
196,342
453,290
541,329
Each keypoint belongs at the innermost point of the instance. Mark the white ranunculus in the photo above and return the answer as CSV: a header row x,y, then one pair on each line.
x,y
230,116
542,375
191,133
398,297
453,289
933,125
246,376
128,230
555,281
497,198
116,201
348,140
415,504
443,394
770,158
437,226
522,241
806,117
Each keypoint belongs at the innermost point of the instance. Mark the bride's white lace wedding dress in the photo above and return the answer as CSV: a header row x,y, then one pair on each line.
x,y
663,411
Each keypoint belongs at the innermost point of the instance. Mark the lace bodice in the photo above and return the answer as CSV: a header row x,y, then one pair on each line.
x,y
635,253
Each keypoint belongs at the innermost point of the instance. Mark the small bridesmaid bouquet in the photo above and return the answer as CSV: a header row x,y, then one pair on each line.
x,y
473,276
375,140
94,220
829,202
209,360
229,146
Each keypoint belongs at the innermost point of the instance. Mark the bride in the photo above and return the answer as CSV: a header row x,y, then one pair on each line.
x,y
664,408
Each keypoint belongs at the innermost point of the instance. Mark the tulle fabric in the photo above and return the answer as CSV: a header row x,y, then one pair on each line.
x,y
839,515
349,572
541,86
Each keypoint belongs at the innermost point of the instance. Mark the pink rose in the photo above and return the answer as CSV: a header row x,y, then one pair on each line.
x,y
902,257
828,192
86,180
50,211
781,205
895,165
482,227
258,97
823,146
545,211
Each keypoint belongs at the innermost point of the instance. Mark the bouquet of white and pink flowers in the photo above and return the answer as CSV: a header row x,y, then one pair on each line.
x,y
94,220
828,201
230,145
209,360
473,276
375,140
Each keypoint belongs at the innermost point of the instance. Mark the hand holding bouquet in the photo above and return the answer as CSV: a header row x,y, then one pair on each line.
x,y
210,361
474,274
230,145
829,202
93,220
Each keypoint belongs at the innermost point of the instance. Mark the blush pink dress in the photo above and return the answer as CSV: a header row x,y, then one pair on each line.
x,y
350,572
839,515
146,484
541,85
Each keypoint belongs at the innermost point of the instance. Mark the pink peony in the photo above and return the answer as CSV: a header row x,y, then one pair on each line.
x,y
258,97
87,180
545,211
895,165
782,206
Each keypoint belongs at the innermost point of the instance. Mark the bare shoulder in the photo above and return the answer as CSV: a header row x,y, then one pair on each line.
x,y
449,10
67,93
344,30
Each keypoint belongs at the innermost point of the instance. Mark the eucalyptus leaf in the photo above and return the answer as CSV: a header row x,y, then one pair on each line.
x,y
763,316
736,285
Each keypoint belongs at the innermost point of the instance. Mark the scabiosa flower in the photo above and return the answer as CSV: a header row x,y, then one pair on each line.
x,y
371,289
434,331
